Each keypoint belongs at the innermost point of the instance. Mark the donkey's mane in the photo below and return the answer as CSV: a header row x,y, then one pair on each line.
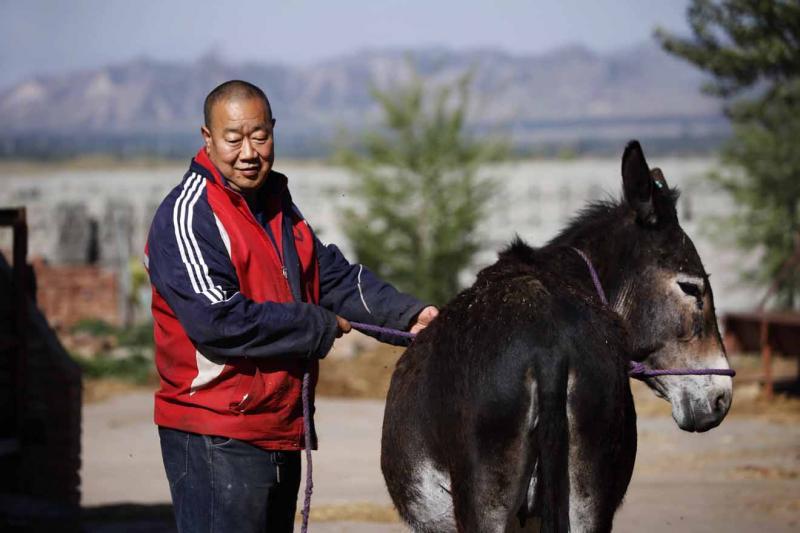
x,y
594,218
591,218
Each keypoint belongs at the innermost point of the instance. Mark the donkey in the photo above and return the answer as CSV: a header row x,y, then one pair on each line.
x,y
513,408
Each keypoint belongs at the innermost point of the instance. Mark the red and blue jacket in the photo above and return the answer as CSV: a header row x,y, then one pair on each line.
x,y
245,299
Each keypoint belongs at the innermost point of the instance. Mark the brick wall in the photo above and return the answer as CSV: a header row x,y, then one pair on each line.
x,y
69,294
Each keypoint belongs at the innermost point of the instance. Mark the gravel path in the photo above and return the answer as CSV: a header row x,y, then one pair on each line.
x,y
742,476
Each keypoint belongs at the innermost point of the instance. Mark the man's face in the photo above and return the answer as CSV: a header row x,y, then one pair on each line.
x,y
240,142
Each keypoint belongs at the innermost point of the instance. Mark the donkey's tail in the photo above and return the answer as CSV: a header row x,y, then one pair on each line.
x,y
553,437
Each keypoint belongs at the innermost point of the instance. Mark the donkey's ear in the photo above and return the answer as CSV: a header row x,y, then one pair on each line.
x,y
637,184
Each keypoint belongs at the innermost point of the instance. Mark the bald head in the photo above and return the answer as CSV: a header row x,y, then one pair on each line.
x,y
230,91
238,135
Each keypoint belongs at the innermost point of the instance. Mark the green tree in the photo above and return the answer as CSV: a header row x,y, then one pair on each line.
x,y
751,49
419,195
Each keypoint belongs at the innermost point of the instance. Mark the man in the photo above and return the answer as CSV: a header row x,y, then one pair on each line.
x,y
245,300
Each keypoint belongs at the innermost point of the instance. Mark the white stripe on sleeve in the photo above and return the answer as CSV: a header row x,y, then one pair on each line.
x,y
182,217
204,277
178,237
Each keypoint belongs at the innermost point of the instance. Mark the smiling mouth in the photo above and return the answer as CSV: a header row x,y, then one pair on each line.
x,y
248,171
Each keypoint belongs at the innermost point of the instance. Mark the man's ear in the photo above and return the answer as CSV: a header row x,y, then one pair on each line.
x,y
637,184
206,133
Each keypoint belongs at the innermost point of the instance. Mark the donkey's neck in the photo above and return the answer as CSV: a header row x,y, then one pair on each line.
x,y
601,233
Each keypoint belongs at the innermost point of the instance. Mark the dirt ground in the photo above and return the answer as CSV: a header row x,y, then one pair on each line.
x,y
742,476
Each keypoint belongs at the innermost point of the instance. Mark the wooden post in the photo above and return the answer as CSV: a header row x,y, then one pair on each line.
x,y
766,349
766,357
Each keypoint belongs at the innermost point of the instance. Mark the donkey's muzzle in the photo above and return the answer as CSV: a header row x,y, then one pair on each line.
x,y
702,414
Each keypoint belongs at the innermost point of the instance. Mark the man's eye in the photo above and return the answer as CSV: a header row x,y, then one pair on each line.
x,y
260,139
233,141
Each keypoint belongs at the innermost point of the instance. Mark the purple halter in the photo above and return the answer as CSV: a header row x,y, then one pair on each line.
x,y
640,370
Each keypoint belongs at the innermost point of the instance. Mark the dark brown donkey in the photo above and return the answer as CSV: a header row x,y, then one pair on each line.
x,y
514,407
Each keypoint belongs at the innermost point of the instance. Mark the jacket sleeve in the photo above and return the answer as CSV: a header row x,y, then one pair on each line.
x,y
190,268
355,293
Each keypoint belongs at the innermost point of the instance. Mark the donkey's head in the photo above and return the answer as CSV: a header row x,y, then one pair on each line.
x,y
666,299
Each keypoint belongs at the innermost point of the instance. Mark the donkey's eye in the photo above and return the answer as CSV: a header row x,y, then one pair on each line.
x,y
690,289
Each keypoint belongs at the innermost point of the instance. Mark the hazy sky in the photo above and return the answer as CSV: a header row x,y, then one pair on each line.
x,y
39,36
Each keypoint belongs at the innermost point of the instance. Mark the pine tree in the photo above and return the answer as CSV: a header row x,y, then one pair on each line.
x,y
751,48
420,197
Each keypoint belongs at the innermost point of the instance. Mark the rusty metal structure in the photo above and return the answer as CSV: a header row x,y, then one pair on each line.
x,y
40,404
768,332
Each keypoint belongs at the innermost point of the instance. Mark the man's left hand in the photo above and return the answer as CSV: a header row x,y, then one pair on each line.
x,y
424,318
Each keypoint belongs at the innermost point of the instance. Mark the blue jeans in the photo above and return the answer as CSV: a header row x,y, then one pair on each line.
x,y
222,485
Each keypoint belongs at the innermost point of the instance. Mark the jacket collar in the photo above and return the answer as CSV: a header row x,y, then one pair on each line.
x,y
208,169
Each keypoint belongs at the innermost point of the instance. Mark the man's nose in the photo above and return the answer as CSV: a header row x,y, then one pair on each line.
x,y
248,152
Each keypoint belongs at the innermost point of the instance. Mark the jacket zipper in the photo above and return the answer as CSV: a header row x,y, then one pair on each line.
x,y
264,235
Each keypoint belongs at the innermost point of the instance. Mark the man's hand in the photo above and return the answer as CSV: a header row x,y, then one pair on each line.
x,y
344,326
423,319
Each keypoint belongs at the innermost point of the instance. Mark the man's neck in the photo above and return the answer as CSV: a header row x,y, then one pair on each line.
x,y
251,197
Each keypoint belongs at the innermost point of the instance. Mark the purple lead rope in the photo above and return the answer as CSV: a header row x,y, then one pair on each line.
x,y
386,331
307,423
595,278
641,371
308,443
637,370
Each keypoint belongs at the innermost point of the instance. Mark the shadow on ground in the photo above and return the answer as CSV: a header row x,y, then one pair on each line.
x,y
21,516
789,387
129,518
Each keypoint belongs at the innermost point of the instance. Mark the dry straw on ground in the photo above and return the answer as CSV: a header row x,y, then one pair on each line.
x,y
353,512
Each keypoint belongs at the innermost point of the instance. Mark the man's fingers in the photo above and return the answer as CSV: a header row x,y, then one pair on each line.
x,y
428,314
344,324
424,318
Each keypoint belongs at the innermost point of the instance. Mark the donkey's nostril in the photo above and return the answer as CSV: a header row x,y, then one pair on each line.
x,y
720,403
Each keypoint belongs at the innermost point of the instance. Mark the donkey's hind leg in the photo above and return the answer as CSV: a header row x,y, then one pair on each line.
x,y
488,502
491,485
602,447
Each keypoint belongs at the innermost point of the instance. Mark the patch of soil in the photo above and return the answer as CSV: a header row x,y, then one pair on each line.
x,y
763,472
364,375
98,390
352,512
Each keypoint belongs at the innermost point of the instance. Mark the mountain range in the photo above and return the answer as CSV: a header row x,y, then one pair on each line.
x,y
565,95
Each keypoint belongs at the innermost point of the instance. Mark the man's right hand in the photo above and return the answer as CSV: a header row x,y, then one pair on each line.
x,y
344,326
